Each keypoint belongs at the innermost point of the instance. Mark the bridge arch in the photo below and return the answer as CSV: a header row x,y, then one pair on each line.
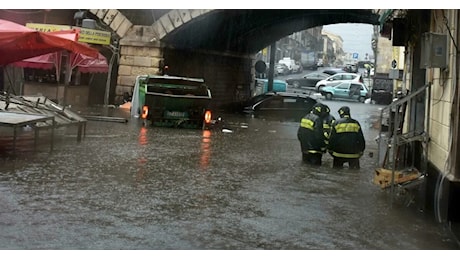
x,y
218,45
245,31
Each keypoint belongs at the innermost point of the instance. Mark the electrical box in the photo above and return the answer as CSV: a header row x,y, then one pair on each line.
x,y
433,51
393,74
88,23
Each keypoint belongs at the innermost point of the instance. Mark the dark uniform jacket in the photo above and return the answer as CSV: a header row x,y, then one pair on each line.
x,y
328,120
311,135
346,139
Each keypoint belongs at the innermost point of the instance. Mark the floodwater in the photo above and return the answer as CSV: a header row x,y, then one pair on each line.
x,y
242,186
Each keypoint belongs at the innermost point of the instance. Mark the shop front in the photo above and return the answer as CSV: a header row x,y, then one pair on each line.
x,y
67,77
46,75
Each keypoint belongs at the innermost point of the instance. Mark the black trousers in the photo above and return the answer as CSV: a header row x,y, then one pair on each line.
x,y
312,158
353,163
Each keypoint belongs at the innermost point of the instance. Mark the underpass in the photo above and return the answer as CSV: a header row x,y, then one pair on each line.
x,y
217,45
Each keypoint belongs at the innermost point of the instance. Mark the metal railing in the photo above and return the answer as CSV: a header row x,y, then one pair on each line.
x,y
396,112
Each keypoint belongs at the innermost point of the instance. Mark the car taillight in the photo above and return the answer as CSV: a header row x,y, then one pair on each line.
x,y
207,116
145,112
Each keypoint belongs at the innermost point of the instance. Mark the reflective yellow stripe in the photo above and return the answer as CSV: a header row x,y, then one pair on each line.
x,y
313,151
307,123
347,128
326,126
343,155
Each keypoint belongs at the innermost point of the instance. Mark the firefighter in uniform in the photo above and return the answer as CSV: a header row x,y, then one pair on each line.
x,y
311,136
346,141
368,69
328,120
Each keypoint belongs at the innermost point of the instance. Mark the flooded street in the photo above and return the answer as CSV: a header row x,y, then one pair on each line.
x,y
126,186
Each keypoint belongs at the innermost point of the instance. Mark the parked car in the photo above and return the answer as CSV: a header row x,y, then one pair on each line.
x,y
337,78
346,90
278,86
282,106
333,71
281,69
299,67
352,68
308,80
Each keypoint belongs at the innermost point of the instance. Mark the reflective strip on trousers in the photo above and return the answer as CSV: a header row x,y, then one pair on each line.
x,y
314,151
346,155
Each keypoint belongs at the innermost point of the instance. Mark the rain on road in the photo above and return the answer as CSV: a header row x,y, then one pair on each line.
x,y
126,186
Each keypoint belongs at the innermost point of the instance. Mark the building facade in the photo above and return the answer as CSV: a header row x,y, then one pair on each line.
x,y
338,53
431,67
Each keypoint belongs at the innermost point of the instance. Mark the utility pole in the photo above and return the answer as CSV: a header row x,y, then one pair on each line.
x,y
271,69
67,78
109,77
108,83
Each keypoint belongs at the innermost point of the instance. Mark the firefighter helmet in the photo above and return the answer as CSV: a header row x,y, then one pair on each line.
x,y
343,111
317,109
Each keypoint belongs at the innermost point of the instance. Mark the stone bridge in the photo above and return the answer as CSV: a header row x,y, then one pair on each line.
x,y
217,45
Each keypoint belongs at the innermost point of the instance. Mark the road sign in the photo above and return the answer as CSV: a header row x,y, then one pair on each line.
x,y
86,35
355,55
393,64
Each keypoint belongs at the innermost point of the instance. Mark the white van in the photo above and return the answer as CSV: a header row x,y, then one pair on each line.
x,y
291,64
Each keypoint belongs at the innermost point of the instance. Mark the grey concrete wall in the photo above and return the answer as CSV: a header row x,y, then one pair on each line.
x,y
139,55
229,77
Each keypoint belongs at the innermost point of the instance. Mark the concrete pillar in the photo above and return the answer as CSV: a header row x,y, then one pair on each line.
x,y
229,77
140,54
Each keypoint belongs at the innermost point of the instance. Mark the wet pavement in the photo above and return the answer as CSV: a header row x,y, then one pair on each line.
x,y
126,186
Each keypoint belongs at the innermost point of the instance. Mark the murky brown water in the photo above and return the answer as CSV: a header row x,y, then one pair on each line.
x,y
130,187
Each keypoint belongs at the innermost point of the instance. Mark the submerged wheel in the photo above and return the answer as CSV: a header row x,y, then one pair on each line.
x,y
361,99
328,96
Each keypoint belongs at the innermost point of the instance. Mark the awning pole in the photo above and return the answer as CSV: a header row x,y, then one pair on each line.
x,y
68,76
109,77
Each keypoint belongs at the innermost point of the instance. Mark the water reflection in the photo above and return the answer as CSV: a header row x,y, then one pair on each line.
x,y
205,149
142,160
143,137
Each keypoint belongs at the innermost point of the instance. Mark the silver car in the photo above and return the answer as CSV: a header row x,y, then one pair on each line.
x,y
337,78
346,90
281,69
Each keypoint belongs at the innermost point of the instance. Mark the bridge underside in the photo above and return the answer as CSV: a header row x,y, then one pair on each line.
x,y
217,45
248,31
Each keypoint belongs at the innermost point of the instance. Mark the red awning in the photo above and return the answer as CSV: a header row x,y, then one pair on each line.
x,y
45,61
87,64
18,42
84,63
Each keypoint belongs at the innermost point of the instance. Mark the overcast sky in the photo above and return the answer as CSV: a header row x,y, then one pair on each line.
x,y
356,37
